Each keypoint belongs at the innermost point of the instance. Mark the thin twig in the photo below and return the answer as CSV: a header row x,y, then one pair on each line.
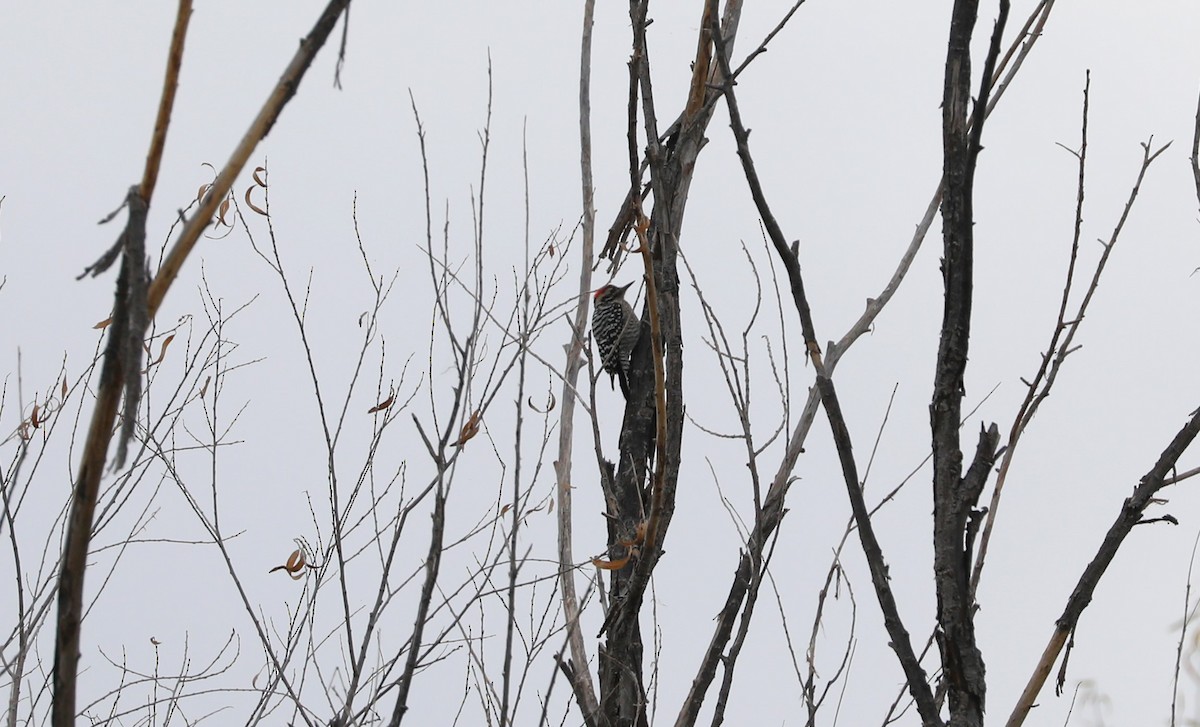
x,y
1183,627
914,674
1047,372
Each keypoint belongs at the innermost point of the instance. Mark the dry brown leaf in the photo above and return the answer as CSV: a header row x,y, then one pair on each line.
x,y
162,350
204,389
64,388
222,210
103,324
294,566
155,641
382,405
551,508
617,564
639,535
470,429
257,179
201,192
33,417
643,224
505,509
251,204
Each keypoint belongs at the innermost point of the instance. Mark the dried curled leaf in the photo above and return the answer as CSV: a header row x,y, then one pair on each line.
x,y
639,535
294,566
64,388
155,641
617,564
33,417
250,203
382,405
162,349
103,324
470,429
260,180
221,221
204,389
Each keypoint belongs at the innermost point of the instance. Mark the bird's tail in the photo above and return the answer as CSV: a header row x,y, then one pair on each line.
x,y
623,378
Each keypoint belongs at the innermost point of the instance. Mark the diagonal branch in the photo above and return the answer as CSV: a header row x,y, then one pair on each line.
x,y
113,372
1129,516
1154,480
900,642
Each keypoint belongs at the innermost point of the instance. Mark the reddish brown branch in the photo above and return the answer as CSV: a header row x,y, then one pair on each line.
x,y
113,372
158,141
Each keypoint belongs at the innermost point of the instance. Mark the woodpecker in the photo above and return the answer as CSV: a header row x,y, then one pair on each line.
x,y
615,329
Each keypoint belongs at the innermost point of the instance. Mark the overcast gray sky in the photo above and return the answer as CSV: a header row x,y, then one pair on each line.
x,y
845,113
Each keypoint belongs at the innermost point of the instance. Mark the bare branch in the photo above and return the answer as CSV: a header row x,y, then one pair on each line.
x,y
914,674
576,669
1130,515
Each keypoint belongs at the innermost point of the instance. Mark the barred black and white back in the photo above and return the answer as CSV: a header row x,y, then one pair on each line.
x,y
615,329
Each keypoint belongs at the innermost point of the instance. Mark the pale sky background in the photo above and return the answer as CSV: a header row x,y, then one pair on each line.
x,y
844,110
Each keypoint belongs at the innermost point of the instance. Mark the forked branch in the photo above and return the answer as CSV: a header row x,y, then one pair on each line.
x,y
113,374
899,639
